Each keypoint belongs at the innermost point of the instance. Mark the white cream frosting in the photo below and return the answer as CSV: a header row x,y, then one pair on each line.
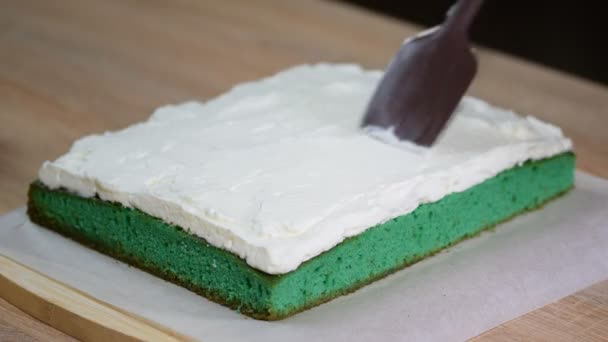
x,y
278,171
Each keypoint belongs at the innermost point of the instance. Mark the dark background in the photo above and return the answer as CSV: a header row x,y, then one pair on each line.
x,y
565,35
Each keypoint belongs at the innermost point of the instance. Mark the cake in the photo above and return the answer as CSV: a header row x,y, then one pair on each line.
x,y
270,199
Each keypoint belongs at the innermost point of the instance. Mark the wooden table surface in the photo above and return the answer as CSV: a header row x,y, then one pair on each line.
x,y
73,67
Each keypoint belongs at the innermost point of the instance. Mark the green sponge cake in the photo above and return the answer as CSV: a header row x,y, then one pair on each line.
x,y
270,199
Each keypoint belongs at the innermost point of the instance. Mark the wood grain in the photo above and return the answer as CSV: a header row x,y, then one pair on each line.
x,y
582,316
72,311
19,327
74,67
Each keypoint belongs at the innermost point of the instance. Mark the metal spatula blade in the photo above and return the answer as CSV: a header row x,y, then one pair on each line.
x,y
426,79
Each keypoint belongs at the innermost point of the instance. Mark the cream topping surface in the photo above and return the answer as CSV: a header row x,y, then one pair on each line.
x,y
278,171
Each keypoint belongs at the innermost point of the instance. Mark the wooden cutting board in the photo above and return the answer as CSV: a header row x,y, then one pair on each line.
x,y
72,311
76,67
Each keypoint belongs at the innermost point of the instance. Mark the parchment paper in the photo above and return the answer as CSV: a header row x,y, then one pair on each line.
x,y
524,264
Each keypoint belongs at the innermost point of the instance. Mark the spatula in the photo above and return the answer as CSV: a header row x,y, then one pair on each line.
x,y
426,79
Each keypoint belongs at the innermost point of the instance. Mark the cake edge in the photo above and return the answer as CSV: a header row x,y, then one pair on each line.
x,y
37,217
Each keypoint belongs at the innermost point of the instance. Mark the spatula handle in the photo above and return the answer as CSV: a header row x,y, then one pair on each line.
x,y
461,16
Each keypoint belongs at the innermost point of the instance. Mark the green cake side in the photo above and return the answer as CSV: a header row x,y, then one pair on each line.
x,y
175,255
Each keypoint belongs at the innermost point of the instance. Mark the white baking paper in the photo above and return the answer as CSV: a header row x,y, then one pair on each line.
x,y
472,287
